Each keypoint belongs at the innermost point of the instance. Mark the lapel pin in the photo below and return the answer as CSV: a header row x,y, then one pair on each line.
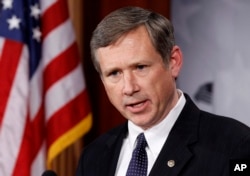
x,y
171,163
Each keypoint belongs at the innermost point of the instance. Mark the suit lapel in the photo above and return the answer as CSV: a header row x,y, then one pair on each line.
x,y
111,154
176,151
175,154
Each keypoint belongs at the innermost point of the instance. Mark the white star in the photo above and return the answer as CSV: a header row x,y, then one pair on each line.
x,y
35,11
7,4
14,22
37,34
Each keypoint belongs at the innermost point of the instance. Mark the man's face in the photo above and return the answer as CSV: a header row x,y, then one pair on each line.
x,y
136,80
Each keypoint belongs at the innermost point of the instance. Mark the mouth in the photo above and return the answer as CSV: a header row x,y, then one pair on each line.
x,y
137,107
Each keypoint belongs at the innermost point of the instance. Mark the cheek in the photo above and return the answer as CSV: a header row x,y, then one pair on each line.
x,y
162,88
113,94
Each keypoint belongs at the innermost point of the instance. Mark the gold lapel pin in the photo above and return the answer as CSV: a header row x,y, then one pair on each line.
x,y
171,163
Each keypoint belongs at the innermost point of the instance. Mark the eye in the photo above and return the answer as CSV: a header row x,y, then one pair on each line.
x,y
113,73
141,67
113,76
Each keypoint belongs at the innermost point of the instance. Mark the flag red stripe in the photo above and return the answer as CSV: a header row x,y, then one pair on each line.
x,y
61,66
38,131
23,162
8,67
54,16
78,108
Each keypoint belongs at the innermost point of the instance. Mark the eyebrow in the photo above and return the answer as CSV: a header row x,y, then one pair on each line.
x,y
133,64
108,71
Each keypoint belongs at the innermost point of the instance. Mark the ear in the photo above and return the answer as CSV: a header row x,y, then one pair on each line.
x,y
175,61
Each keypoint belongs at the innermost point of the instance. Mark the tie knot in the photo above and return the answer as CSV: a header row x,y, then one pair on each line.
x,y
141,141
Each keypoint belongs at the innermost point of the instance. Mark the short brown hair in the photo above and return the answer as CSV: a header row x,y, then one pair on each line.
x,y
123,20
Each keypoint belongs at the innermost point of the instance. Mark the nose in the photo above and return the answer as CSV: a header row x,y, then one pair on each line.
x,y
130,85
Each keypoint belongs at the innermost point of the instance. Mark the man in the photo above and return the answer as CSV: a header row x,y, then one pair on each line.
x,y
135,54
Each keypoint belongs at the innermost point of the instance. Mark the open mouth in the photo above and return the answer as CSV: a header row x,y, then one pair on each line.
x,y
137,107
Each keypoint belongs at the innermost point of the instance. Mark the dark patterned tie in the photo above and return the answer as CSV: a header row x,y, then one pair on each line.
x,y
139,162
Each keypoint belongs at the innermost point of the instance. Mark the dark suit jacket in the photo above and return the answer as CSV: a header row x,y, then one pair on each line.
x,y
200,143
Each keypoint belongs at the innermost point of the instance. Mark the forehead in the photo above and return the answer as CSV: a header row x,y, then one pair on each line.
x,y
136,42
128,51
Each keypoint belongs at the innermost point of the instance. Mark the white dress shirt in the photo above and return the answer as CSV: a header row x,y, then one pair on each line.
x,y
155,136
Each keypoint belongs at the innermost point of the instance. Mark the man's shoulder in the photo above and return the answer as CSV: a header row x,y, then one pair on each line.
x,y
107,139
228,124
223,132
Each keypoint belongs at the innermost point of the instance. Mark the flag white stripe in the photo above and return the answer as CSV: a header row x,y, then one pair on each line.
x,y
1,46
36,92
62,36
39,161
71,84
14,119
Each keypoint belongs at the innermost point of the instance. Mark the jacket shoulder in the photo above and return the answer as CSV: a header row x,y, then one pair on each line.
x,y
96,157
107,139
225,134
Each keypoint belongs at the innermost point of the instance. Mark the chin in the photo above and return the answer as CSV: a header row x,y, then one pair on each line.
x,y
142,124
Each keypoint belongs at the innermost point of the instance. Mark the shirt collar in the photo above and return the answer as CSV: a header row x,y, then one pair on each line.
x,y
157,135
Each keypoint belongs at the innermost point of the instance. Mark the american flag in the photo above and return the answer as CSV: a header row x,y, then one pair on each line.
x,y
43,100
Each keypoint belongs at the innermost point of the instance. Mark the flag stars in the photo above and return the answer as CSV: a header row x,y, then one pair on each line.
x,y
7,4
14,22
37,34
35,11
